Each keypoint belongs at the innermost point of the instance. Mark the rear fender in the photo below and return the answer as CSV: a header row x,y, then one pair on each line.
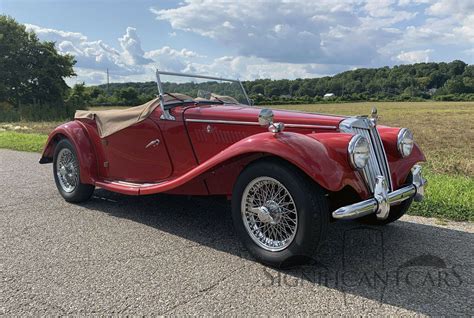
x,y
76,133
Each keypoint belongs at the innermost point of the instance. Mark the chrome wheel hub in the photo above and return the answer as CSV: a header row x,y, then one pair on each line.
x,y
269,214
67,170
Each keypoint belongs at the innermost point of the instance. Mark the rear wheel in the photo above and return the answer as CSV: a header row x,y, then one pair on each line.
x,y
280,214
66,172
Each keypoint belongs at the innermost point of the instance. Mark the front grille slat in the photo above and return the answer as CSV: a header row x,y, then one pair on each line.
x,y
377,164
383,158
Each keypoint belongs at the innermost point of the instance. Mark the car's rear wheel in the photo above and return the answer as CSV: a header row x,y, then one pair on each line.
x,y
66,172
280,214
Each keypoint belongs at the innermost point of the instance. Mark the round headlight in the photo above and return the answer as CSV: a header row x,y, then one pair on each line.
x,y
405,142
359,152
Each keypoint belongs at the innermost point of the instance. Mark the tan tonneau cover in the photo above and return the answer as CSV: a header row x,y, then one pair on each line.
x,y
111,121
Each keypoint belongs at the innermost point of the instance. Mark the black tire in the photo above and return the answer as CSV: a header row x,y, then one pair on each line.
x,y
396,211
312,213
81,192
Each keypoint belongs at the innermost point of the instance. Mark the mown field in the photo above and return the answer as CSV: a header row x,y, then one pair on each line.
x,y
444,130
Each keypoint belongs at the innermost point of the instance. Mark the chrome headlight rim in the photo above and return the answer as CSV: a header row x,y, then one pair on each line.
x,y
403,135
355,142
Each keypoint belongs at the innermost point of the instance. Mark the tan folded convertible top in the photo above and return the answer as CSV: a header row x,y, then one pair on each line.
x,y
111,121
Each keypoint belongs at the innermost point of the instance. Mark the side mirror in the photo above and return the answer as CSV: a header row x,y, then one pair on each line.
x,y
265,118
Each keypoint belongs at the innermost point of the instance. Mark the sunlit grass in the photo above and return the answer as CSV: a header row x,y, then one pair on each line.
x,y
450,197
22,142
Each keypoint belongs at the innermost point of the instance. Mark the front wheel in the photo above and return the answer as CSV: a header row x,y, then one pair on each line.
x,y
280,214
66,172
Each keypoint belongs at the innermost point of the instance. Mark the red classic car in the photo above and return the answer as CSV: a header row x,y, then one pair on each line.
x,y
288,174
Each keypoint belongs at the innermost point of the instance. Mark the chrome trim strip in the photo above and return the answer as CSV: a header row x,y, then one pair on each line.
x,y
384,159
310,126
254,123
217,121
197,76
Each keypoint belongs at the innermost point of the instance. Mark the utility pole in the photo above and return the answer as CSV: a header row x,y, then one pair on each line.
x,y
108,81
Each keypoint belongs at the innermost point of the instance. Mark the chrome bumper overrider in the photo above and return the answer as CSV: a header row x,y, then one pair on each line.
x,y
382,200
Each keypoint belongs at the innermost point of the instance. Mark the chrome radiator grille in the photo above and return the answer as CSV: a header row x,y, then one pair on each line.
x,y
378,164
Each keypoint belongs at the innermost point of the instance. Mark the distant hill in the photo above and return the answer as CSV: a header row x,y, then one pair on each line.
x,y
439,81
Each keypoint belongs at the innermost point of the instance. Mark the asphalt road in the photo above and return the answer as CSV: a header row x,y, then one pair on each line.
x,y
174,255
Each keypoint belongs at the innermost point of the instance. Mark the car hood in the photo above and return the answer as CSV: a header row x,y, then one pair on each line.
x,y
249,114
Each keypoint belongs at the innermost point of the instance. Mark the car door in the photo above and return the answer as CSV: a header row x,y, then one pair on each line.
x,y
137,154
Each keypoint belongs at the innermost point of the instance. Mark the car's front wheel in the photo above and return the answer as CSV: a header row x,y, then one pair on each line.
x,y
279,213
66,172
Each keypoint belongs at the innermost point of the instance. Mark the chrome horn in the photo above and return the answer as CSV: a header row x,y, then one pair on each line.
x,y
265,119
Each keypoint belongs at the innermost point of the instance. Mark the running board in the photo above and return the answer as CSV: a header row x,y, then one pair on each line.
x,y
124,187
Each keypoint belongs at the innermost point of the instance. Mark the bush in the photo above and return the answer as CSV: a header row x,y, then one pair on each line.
x,y
46,112
8,113
446,98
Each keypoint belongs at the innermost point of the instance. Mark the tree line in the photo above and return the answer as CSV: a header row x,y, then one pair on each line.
x,y
452,81
32,85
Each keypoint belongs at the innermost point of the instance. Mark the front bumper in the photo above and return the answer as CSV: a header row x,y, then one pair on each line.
x,y
382,200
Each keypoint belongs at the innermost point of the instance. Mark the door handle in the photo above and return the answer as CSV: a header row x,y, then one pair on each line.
x,y
153,143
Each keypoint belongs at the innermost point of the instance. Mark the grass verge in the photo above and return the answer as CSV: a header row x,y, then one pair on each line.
x,y
22,142
447,196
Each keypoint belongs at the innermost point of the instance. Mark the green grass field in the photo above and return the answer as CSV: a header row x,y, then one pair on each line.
x,y
444,130
22,142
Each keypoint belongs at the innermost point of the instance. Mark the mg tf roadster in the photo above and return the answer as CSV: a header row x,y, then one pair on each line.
x,y
288,174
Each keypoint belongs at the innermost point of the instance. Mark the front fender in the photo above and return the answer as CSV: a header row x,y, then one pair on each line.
x,y
399,167
323,157
76,133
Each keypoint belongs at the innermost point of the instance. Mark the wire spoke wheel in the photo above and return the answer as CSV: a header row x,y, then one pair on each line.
x,y
269,214
67,170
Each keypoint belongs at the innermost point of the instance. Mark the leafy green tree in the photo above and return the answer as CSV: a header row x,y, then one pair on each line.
x,y
78,97
455,86
456,67
129,95
258,89
31,71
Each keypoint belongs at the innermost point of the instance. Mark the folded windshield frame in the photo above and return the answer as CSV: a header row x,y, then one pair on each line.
x,y
165,112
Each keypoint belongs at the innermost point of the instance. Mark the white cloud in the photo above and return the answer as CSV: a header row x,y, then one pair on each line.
x,y
132,48
91,55
370,32
47,34
415,56
250,68
293,31
131,63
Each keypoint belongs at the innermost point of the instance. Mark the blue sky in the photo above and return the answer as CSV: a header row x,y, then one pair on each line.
x,y
247,39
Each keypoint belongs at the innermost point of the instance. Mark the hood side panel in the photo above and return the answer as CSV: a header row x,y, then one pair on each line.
x,y
250,114
209,136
